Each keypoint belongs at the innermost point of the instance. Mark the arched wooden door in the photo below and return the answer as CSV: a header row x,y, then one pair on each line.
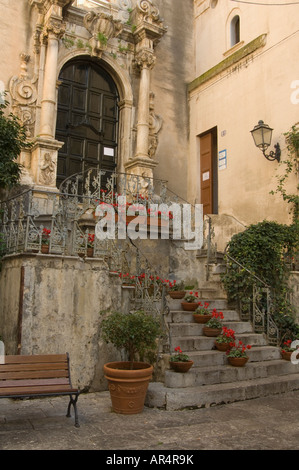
x,y
87,119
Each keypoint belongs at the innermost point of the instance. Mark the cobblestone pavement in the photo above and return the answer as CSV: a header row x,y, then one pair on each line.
x,y
269,423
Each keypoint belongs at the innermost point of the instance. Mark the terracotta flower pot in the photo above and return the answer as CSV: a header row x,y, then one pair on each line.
x,y
181,366
207,331
286,355
222,346
127,386
189,306
177,294
89,252
201,318
237,361
45,249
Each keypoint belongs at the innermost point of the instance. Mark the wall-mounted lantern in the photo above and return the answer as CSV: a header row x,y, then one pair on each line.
x,y
262,136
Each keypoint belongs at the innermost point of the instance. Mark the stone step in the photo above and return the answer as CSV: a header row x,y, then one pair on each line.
x,y
173,399
219,304
196,329
204,343
218,358
226,373
181,316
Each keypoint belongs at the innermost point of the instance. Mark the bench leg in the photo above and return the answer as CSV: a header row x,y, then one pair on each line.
x,y
73,401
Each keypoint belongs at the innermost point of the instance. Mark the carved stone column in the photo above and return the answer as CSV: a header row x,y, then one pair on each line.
x,y
54,31
149,30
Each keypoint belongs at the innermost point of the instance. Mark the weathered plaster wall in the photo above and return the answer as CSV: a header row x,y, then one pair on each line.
x,y
60,304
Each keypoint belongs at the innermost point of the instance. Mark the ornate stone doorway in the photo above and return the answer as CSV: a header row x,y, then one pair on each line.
x,y
87,118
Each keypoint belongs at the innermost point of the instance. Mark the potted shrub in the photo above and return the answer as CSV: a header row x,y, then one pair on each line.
x,y
176,289
136,333
225,339
237,354
190,302
179,361
202,314
214,326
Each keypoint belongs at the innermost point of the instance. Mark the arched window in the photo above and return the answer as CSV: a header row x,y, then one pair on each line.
x,y
235,30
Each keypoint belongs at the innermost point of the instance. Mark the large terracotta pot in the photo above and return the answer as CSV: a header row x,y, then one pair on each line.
x,y
181,366
201,318
207,331
237,361
127,386
189,306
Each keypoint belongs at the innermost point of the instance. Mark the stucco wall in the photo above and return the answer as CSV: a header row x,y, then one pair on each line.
x,y
59,306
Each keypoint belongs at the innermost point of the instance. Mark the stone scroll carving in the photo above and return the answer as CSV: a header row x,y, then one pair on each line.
x,y
23,91
102,27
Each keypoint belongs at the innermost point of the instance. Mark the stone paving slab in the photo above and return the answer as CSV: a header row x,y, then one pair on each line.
x,y
269,423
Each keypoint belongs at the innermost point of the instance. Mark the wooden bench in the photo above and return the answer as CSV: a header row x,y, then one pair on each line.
x,y
38,376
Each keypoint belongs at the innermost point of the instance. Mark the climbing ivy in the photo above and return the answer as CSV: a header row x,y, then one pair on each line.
x,y
291,165
267,250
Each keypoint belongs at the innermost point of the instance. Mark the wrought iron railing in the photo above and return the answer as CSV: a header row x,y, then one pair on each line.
x,y
255,302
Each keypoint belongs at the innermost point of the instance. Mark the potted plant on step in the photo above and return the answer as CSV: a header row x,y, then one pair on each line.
x,y
176,289
236,355
190,302
202,314
46,233
214,326
136,333
179,361
287,350
225,339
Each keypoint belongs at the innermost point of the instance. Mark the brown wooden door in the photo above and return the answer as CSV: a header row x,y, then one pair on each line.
x,y
206,172
87,119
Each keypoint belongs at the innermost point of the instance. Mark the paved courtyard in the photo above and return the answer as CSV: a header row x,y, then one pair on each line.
x,y
269,423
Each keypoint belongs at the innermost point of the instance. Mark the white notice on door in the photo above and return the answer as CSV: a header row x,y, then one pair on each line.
x,y
206,176
108,152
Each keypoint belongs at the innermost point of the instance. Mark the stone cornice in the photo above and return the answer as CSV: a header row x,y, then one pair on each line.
x,y
225,64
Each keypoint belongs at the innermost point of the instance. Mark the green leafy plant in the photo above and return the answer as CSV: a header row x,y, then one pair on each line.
x,y
202,309
135,332
179,356
12,140
191,297
174,286
238,349
291,164
227,336
216,320
287,346
264,250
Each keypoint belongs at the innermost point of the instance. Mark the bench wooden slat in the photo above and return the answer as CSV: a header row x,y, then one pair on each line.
x,y
34,382
36,358
40,390
38,374
35,366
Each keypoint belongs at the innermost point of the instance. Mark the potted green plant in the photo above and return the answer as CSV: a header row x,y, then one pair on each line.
x,y
176,289
202,314
190,302
225,339
179,361
237,354
135,333
214,326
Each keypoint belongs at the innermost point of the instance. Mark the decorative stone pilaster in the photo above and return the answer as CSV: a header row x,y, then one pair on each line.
x,y
149,30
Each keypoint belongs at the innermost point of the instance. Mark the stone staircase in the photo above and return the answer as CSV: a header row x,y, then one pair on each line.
x,y
211,380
